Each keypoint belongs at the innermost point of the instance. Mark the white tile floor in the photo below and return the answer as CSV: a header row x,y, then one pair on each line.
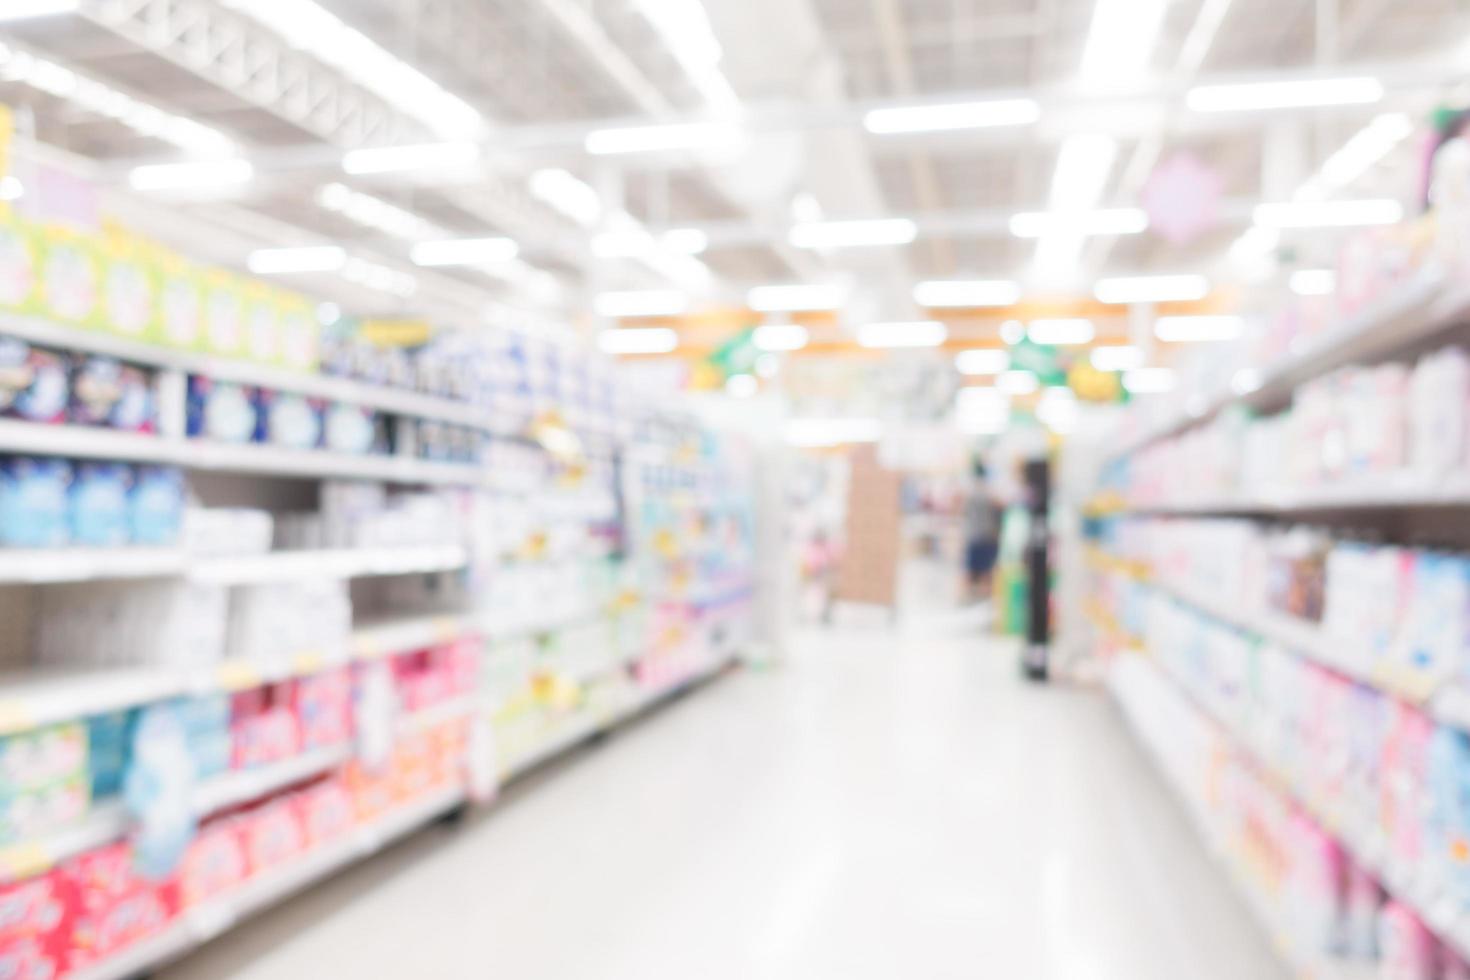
x,y
882,806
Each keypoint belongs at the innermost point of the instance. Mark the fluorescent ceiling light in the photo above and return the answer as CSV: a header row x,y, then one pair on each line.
x,y
1083,165
15,10
380,277
629,244
1198,329
955,115
1017,382
686,31
741,385
638,340
1246,380
781,337
641,302
767,366
307,26
1149,381
982,411
1061,331
1314,282
1255,96
562,192
1122,357
420,156
854,234
815,433
464,251
1121,40
1329,214
907,333
374,212
1013,332
796,298
191,175
1151,289
1369,145
982,362
685,241
307,258
1108,221
657,139
966,293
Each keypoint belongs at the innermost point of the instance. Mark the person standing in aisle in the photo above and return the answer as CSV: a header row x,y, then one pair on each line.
x,y
982,536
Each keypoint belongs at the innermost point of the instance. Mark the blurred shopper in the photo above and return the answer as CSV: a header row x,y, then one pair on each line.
x,y
982,535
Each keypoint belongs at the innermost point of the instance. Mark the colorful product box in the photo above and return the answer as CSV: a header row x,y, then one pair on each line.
x,y
290,421
226,330
106,392
326,812
180,303
71,276
214,864
273,835
32,909
129,289
98,505
33,502
19,264
220,411
33,383
156,506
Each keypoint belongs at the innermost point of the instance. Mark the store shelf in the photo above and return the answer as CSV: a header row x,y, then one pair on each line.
x,y
284,566
103,824
244,785
37,697
38,565
1306,965
1394,492
382,398
1423,308
269,887
387,637
92,443
454,709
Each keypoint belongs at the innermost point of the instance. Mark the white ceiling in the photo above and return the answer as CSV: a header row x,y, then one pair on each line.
x,y
544,72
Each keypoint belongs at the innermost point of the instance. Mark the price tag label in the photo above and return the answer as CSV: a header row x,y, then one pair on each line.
x,y
308,662
15,716
446,630
239,676
23,861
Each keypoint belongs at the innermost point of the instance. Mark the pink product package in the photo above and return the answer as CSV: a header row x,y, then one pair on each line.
x,y
1360,922
1409,950
323,707
1319,876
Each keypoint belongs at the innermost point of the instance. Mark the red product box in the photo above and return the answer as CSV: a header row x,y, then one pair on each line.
x,y
323,706
270,736
273,834
32,908
214,864
29,959
326,811
97,935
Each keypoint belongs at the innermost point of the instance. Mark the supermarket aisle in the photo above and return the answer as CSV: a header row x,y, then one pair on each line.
x,y
875,809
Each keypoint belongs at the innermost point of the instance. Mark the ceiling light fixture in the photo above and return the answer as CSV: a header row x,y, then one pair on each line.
x,y
685,241
374,212
980,363
640,303
307,26
380,277
569,196
418,156
1119,357
1061,331
1017,382
1108,221
822,433
966,293
796,298
1083,165
690,38
1151,289
906,333
854,234
1259,96
1198,329
1314,282
305,258
1013,332
658,139
464,251
1121,40
190,175
1329,214
952,116
638,340
781,337
1149,381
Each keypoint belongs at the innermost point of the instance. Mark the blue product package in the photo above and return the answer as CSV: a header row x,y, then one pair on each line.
x,y
108,738
33,502
98,504
106,392
156,506
33,383
289,420
220,411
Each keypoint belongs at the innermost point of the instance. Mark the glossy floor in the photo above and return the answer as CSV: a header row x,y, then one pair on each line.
x,y
882,805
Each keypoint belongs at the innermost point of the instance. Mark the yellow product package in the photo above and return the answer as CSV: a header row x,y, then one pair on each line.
x,y
262,323
180,304
19,264
300,333
71,276
129,288
224,314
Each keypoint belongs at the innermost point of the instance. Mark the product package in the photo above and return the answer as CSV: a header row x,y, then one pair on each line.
x,y
221,411
156,506
34,502
33,383
129,289
71,276
106,392
98,505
